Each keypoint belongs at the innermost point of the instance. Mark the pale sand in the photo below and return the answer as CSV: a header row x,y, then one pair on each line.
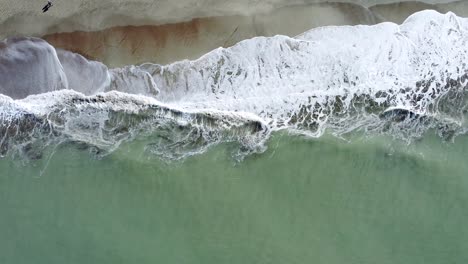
x,y
163,44
127,32
24,17
119,46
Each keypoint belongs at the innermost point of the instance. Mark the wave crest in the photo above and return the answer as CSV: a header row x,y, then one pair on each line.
x,y
399,80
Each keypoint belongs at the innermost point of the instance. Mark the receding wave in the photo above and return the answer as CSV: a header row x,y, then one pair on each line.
x,y
104,121
384,79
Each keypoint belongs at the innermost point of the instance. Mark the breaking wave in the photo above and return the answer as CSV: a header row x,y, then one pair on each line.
x,y
385,79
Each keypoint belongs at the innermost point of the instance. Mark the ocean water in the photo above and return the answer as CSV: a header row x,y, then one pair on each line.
x,y
341,145
368,200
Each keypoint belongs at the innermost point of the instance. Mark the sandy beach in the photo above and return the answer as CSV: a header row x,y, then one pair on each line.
x,y
26,17
166,31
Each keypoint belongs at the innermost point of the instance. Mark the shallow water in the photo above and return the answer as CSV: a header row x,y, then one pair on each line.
x,y
342,145
366,200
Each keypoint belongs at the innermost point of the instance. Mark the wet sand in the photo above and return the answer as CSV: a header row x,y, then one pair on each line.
x,y
130,32
123,45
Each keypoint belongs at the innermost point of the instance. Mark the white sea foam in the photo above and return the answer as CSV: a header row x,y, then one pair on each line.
x,y
29,66
88,77
280,78
400,80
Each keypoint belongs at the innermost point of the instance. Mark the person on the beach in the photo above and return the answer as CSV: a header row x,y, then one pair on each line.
x,y
46,7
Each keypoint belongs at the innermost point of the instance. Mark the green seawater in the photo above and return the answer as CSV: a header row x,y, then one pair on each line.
x,y
369,200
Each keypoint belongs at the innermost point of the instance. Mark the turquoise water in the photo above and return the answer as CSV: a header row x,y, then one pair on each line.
x,y
208,161
326,200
